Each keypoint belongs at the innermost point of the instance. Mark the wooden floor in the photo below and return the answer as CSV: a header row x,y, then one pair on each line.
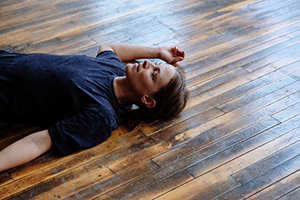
x,y
238,138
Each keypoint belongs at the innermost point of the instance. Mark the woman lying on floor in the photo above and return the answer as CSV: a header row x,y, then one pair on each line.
x,y
83,99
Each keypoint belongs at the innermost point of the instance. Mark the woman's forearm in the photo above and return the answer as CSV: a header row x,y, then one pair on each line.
x,y
127,52
25,150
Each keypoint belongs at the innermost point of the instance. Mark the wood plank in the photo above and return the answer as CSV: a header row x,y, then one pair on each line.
x,y
247,31
170,168
244,111
280,189
221,173
284,130
34,173
157,147
265,179
257,79
292,195
214,133
287,113
161,187
178,159
289,63
259,93
88,186
288,152
239,132
228,60
204,146
213,190
226,67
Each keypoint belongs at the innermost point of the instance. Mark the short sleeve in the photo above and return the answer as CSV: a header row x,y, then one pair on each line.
x,y
109,60
108,55
81,131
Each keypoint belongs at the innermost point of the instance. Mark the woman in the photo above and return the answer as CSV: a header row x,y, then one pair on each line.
x,y
83,99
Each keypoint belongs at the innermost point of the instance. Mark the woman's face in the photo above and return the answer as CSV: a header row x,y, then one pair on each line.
x,y
147,78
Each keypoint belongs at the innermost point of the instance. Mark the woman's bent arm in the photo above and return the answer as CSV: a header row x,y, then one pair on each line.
x,y
127,52
25,150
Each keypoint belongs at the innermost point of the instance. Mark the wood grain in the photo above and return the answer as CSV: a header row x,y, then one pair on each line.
x,y
238,137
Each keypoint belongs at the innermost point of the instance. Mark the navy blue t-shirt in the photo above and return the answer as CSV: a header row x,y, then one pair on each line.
x,y
72,94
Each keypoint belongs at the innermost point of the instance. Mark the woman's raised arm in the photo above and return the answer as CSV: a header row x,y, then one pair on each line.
x,y
127,52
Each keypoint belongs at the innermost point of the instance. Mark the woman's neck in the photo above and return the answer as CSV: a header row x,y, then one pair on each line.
x,y
122,91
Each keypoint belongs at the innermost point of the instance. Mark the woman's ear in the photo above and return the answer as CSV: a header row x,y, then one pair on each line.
x,y
148,101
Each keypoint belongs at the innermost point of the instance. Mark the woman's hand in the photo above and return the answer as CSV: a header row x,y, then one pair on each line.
x,y
171,54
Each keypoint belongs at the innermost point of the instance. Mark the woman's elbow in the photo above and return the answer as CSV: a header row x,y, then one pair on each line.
x,y
41,140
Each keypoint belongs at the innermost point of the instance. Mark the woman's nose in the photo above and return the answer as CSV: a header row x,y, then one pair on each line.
x,y
146,64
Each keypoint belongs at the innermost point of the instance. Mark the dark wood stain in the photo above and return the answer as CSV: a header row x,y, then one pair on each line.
x,y
239,136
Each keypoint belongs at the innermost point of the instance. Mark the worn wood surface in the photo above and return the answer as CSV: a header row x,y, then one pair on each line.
x,y
239,136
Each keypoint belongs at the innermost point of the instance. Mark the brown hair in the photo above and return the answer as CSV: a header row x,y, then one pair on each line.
x,y
170,101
